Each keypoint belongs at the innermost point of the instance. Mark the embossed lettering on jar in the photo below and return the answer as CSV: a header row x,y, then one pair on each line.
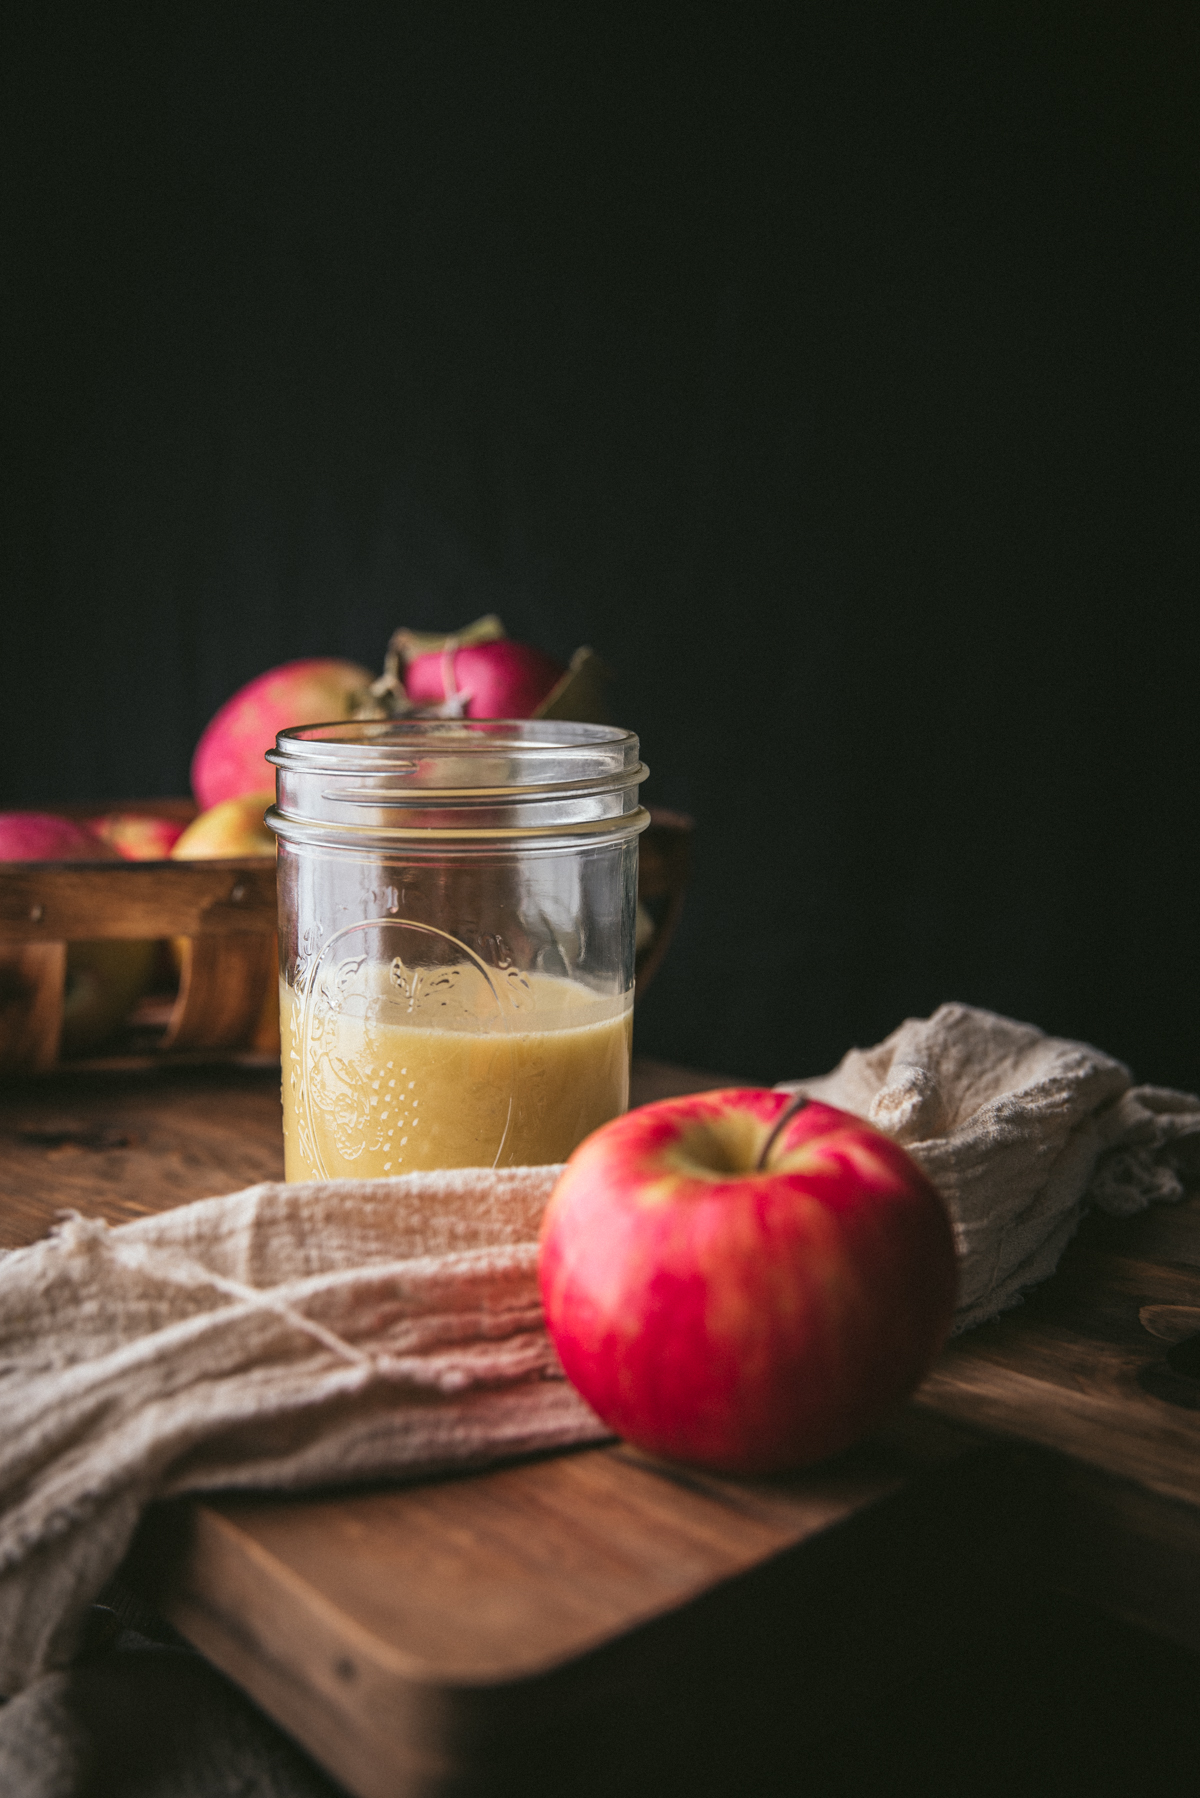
x,y
456,909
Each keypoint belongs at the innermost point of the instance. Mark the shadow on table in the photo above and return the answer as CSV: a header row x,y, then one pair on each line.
x,y
1053,1701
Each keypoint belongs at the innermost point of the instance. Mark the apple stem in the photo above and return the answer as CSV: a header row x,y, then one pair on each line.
x,y
386,697
785,1117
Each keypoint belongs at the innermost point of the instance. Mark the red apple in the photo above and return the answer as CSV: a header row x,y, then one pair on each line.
x,y
748,1320
43,837
137,836
500,679
229,756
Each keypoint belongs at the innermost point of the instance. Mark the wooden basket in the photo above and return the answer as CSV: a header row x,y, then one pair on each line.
x,y
225,912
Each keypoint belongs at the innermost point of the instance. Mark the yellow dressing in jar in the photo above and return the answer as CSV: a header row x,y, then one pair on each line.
x,y
367,1093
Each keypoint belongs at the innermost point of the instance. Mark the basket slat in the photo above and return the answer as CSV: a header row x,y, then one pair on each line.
x,y
223,984
664,863
227,912
32,977
81,901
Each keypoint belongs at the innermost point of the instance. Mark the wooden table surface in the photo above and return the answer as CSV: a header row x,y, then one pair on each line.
x,y
566,1623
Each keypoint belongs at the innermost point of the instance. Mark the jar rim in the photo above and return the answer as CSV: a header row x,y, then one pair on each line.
x,y
388,745
470,780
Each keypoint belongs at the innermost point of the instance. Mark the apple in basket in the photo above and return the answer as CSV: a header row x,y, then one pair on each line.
x,y
499,679
235,827
45,837
478,671
104,979
228,762
137,836
736,1283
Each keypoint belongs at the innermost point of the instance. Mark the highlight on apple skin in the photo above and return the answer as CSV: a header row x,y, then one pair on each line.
x,y
229,756
748,1321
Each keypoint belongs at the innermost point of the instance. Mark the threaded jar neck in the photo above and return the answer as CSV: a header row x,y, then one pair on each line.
x,y
471,782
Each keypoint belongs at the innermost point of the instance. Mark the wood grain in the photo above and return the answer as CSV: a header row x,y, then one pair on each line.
x,y
512,1572
563,1625
1072,1370
83,901
223,983
124,1145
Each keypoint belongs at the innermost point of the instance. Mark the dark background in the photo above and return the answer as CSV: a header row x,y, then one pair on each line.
x,y
834,378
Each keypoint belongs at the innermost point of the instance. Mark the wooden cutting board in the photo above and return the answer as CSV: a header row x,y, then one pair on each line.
x,y
1084,1371
595,1622
598,1622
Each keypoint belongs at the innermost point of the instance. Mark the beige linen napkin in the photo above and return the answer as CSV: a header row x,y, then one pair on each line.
x,y
279,1338
1020,1132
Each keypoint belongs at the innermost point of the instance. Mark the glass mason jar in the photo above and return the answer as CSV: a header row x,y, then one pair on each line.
x,y
456,935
